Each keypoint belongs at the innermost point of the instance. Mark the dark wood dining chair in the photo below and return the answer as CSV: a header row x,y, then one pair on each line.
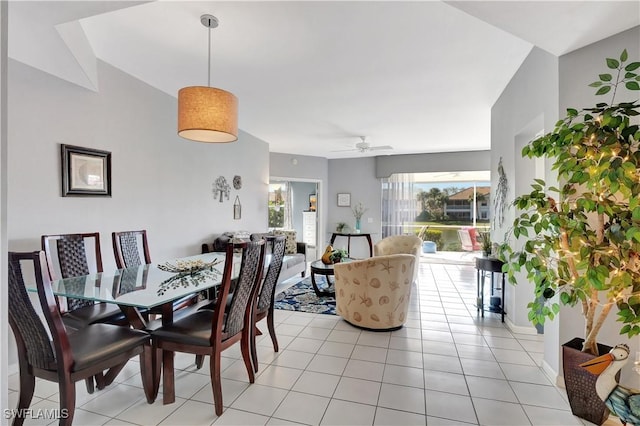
x,y
264,307
67,257
127,247
62,358
209,332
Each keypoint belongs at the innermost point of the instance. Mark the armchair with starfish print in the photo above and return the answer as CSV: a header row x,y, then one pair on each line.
x,y
375,293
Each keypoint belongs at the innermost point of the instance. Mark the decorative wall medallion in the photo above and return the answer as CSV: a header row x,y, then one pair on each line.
x,y
221,188
237,182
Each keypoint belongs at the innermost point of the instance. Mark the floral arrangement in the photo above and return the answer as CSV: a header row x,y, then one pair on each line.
x,y
359,210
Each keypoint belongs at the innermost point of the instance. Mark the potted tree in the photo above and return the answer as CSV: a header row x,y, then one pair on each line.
x,y
583,238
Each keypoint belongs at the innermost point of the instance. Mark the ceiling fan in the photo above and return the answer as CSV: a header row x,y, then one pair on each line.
x,y
364,146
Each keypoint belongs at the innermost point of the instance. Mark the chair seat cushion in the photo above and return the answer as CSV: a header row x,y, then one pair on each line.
x,y
99,342
96,313
194,329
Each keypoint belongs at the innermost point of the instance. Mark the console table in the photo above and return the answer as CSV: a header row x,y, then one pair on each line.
x,y
349,236
491,265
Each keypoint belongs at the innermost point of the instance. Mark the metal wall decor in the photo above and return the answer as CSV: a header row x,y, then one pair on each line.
x,y
221,188
237,182
237,209
500,200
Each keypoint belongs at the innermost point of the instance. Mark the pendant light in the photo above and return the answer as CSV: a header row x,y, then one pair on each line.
x,y
207,114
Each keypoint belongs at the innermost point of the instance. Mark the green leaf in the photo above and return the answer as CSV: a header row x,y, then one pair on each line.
x,y
630,75
613,63
632,66
596,84
624,56
605,77
604,89
632,85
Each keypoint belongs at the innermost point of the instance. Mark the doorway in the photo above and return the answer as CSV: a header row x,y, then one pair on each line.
x,y
294,204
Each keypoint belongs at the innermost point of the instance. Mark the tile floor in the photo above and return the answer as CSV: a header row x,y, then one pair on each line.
x,y
445,367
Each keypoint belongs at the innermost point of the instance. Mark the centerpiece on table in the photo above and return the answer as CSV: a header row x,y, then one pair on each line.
x,y
188,273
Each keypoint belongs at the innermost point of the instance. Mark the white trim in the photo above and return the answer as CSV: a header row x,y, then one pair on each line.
x,y
552,375
520,329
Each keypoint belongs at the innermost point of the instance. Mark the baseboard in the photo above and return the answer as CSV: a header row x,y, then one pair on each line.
x,y
519,329
552,375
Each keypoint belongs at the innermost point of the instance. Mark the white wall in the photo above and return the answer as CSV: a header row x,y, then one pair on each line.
x,y
528,104
355,176
305,168
4,332
161,182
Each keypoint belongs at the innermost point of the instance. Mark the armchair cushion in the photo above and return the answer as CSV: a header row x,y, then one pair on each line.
x,y
400,244
375,293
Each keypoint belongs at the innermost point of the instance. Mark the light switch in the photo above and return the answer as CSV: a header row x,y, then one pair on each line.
x,y
369,220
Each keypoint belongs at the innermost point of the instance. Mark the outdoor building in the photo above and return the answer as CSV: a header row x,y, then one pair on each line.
x,y
460,206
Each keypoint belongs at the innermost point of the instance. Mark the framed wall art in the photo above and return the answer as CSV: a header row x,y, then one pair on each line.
x,y
344,199
85,171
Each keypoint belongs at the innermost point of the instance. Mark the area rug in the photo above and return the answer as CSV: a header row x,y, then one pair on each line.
x,y
301,297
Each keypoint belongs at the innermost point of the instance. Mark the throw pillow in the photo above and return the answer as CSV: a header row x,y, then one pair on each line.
x,y
290,246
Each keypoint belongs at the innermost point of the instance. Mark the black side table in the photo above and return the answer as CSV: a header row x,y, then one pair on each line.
x,y
492,265
349,236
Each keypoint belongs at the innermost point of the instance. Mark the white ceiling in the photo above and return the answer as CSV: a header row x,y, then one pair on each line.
x,y
311,77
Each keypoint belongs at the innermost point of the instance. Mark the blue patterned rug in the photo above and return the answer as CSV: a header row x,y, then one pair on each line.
x,y
301,297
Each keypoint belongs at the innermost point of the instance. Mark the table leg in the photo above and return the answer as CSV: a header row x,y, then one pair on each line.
x,y
313,283
148,359
478,299
482,293
502,300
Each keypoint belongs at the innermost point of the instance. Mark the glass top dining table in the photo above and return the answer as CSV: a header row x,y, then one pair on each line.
x,y
145,286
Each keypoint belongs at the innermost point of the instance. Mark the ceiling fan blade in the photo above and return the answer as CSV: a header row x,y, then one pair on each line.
x,y
344,150
379,147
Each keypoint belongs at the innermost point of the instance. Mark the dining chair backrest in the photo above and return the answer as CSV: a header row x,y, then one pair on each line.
x,y
31,334
67,257
127,246
265,299
234,316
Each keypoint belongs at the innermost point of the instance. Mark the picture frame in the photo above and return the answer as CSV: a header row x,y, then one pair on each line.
x,y
85,171
313,202
344,199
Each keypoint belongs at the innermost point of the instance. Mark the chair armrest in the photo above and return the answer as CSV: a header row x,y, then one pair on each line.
x,y
301,248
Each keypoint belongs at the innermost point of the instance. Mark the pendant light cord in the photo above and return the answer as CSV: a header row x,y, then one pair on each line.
x,y
209,58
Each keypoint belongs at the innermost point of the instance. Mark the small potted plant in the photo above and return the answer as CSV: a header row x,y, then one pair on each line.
x,y
581,241
485,243
341,227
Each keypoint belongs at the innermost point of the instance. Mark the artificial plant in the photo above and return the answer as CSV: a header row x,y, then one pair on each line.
x,y
583,238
